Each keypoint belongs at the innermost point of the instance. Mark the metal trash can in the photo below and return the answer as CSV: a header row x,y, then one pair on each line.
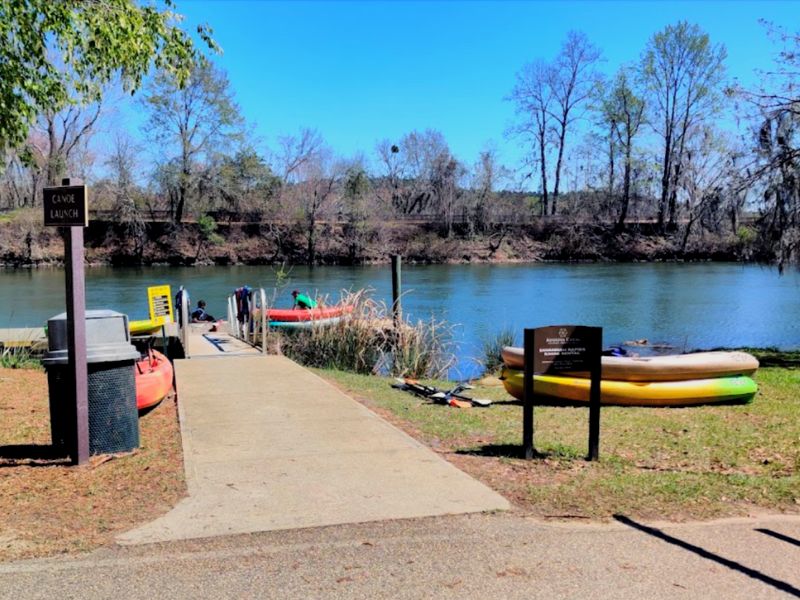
x,y
110,357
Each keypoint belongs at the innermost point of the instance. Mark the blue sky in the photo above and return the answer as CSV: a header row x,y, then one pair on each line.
x,y
362,71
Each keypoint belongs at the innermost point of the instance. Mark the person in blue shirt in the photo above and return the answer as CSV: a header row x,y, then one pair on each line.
x,y
199,315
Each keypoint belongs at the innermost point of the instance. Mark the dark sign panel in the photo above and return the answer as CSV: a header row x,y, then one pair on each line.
x,y
563,349
66,206
566,349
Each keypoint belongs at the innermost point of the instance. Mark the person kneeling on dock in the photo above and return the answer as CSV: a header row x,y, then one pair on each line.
x,y
199,315
303,301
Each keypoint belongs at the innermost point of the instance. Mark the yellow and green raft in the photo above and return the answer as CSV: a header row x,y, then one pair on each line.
x,y
681,380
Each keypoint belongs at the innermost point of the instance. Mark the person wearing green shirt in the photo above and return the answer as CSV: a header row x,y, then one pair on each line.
x,y
303,301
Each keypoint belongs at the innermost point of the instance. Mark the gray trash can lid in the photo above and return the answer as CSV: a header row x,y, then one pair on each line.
x,y
107,338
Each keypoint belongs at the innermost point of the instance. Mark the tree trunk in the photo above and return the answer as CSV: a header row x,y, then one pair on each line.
x,y
311,241
626,187
665,179
673,196
558,169
611,163
543,165
181,203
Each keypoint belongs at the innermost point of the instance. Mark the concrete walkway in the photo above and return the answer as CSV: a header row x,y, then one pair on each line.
x,y
268,445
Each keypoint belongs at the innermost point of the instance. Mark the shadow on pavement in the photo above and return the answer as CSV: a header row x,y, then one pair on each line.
x,y
780,536
726,562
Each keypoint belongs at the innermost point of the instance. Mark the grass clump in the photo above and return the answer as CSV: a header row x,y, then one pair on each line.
x,y
368,342
18,357
492,346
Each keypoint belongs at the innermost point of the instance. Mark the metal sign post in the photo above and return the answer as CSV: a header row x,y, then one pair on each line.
x,y
573,350
66,207
527,399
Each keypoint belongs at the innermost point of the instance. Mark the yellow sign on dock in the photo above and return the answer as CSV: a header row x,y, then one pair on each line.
x,y
159,297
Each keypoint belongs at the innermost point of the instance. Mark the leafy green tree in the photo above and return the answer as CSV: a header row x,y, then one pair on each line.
x,y
59,52
190,123
246,182
355,190
683,72
623,111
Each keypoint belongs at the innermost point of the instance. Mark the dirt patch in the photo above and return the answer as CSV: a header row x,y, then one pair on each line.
x,y
48,507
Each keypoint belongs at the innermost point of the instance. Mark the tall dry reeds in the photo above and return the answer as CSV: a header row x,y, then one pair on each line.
x,y
367,341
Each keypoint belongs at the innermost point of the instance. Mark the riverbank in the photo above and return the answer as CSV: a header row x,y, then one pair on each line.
x,y
24,242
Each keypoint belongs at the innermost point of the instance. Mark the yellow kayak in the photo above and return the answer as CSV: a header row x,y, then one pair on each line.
x,y
675,367
144,327
631,393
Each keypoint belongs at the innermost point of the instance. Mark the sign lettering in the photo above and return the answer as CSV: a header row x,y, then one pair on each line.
x,y
159,298
66,206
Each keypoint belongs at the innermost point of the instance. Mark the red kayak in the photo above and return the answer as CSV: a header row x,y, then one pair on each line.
x,y
153,379
306,314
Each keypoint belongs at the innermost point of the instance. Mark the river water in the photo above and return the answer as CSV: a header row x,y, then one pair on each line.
x,y
687,306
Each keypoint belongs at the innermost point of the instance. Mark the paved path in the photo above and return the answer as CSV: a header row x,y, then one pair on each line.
x,y
500,555
269,445
204,343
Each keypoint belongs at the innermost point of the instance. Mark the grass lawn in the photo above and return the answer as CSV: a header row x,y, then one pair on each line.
x,y
666,463
47,507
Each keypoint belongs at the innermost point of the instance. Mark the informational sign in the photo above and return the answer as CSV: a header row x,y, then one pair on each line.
x,y
562,349
566,349
159,298
66,206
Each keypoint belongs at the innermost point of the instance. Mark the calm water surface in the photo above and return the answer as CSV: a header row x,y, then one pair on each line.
x,y
685,305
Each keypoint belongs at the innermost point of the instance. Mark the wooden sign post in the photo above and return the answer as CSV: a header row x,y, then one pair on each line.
x,y
397,290
66,206
563,350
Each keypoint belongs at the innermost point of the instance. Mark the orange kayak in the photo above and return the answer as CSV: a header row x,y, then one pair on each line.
x,y
306,314
153,379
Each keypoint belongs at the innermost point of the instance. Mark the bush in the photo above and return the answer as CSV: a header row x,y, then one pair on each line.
x,y
367,342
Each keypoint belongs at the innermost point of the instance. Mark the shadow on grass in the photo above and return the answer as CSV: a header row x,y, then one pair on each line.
x,y
31,455
508,451
702,552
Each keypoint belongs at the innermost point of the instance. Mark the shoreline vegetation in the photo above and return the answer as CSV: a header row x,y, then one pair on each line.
x,y
25,243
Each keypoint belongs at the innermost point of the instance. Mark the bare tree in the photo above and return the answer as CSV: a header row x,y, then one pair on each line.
x,y
297,151
706,179
189,123
573,82
122,164
314,192
533,98
684,73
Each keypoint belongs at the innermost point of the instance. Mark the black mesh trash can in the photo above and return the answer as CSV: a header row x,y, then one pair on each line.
x,y
110,357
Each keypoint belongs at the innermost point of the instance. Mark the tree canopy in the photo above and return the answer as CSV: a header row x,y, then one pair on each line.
x,y
59,52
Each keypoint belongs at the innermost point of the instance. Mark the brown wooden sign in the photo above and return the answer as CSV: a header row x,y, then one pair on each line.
x,y
66,206
566,349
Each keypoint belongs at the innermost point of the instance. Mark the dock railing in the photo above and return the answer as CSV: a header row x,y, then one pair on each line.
x,y
183,319
251,325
